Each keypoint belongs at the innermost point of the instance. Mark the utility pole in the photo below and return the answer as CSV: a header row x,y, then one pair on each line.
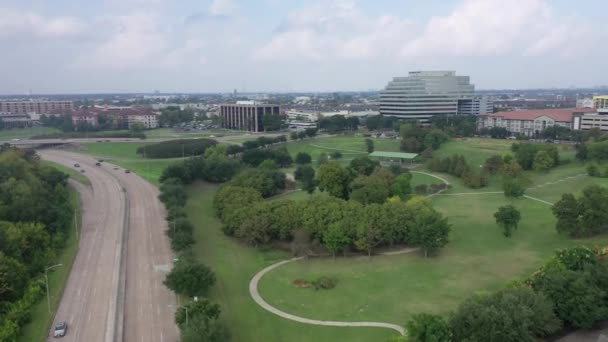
x,y
48,295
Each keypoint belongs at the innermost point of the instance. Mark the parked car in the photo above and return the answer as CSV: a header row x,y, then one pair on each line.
x,y
60,330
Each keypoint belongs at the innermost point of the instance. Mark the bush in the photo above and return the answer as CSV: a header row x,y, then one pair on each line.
x,y
190,278
303,158
176,148
173,193
256,156
421,189
324,283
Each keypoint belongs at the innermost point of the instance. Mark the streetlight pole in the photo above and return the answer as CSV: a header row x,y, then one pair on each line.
x,y
46,276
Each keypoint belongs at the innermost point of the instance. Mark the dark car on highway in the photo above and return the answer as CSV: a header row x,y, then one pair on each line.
x,y
60,330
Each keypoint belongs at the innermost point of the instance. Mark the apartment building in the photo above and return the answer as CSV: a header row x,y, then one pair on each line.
x,y
531,122
246,115
143,115
84,117
35,107
424,94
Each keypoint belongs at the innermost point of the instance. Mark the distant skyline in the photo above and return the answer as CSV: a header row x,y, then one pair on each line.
x,y
118,46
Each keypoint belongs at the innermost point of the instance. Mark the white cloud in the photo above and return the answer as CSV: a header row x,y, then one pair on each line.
x,y
222,8
14,23
494,28
334,30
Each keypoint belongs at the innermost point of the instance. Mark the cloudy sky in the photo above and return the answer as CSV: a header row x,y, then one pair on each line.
x,y
77,46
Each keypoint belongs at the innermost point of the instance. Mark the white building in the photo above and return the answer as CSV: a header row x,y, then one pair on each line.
x,y
424,94
584,103
531,122
302,116
479,105
601,104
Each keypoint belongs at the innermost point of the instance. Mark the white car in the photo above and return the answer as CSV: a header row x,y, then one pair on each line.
x,y
60,330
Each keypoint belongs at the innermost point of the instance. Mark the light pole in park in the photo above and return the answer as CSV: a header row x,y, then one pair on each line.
x,y
48,294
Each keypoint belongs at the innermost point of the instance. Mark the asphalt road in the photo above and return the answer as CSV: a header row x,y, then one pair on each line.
x,y
115,291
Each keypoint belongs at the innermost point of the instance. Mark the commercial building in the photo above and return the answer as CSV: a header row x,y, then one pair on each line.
x,y
246,115
531,122
84,117
35,107
424,94
479,105
12,120
601,104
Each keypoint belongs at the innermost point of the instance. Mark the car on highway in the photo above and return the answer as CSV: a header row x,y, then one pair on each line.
x,y
60,330
127,171
16,139
98,164
82,170
76,165
115,168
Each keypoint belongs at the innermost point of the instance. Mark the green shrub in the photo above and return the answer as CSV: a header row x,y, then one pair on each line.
x,y
324,283
176,148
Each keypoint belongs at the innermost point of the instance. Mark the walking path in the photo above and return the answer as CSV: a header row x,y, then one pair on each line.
x,y
255,294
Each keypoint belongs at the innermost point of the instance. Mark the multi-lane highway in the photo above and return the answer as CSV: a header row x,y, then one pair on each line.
x,y
115,291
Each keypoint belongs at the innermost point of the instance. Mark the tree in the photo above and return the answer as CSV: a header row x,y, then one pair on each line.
x,y
493,165
334,179
364,165
202,329
513,188
429,229
303,158
13,278
306,176
511,169
375,188
508,218
369,232
137,127
593,171
369,144
578,300
267,182
336,238
402,186
516,314
230,198
542,161
567,212
336,155
190,278
428,328
200,308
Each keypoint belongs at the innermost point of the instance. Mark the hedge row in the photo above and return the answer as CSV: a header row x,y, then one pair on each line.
x,y
176,148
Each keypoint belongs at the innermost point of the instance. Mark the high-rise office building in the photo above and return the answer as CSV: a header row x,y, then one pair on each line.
x,y
424,94
36,107
247,115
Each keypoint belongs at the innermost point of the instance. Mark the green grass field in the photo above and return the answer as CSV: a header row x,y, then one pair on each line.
x,y
39,326
25,133
125,155
393,288
234,265
350,147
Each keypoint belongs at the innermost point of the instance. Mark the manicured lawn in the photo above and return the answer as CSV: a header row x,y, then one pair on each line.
x,y
393,288
349,146
38,328
73,173
419,179
475,150
235,265
24,133
124,155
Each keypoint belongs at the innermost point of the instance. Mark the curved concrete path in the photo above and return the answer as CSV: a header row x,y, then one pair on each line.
x,y
253,290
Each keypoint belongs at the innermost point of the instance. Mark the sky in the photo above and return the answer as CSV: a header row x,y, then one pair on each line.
x,y
93,46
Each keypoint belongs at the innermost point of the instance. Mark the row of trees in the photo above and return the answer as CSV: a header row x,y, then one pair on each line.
x,y
188,276
569,291
338,123
35,219
456,165
301,135
336,224
176,148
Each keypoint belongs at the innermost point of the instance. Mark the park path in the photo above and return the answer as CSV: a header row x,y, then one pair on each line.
x,y
255,294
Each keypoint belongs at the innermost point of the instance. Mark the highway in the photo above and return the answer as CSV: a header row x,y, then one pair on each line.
x,y
115,291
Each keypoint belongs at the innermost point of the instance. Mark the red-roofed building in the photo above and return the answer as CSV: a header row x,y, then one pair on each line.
x,y
84,117
530,122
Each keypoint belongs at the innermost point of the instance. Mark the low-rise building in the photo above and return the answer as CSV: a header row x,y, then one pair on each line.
x,y
601,104
84,117
143,115
13,120
34,107
584,103
590,121
247,115
531,122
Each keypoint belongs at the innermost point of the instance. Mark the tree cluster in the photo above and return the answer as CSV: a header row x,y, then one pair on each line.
x,y
417,139
593,170
380,122
256,156
540,157
336,224
267,181
495,132
174,115
456,125
301,135
338,123
456,165
584,216
199,321
35,219
176,148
